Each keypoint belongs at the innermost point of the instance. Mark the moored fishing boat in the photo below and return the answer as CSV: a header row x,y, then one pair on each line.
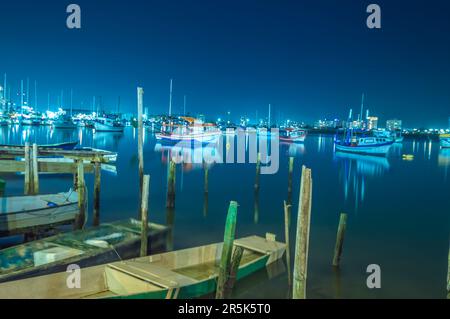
x,y
193,130
292,135
371,145
105,124
19,214
107,243
186,273
64,123
444,140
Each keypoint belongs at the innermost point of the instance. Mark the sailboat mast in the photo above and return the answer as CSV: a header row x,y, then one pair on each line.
x,y
184,105
48,101
268,124
35,95
118,105
4,89
71,101
28,91
170,99
362,110
21,96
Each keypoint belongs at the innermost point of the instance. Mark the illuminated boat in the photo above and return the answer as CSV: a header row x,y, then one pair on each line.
x,y
64,123
371,145
194,131
105,124
444,140
292,135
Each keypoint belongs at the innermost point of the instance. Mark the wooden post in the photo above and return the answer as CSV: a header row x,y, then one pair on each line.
x,y
205,204
448,275
2,187
258,171
35,170
302,236
340,239
140,99
256,207
227,249
97,183
232,276
27,190
144,215
287,218
170,202
79,222
290,175
206,178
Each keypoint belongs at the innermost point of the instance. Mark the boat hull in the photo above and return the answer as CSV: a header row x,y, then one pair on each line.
x,y
380,150
129,248
20,214
204,138
293,139
99,127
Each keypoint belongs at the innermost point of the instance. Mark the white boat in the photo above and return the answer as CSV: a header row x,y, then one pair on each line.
x,y
64,123
365,145
104,124
444,140
292,135
194,131
21,213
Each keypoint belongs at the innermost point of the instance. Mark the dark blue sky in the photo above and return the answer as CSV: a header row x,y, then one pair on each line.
x,y
309,59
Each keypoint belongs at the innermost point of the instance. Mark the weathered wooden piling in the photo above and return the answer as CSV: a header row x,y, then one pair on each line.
x,y
290,175
287,218
81,189
2,187
35,170
205,204
228,240
144,215
256,207
302,236
232,276
27,181
140,99
97,183
258,171
170,202
206,186
448,275
340,239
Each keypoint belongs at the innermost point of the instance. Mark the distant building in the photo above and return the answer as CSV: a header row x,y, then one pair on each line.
x,y
372,122
393,125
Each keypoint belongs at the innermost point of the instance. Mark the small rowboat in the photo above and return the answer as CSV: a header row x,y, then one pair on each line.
x,y
20,214
106,243
186,273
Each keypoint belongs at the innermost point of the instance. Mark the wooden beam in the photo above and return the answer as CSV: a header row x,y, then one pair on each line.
x,y
144,215
302,236
27,181
35,169
340,239
97,184
79,222
228,240
287,218
140,106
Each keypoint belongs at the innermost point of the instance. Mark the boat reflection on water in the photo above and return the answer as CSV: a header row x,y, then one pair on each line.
x,y
293,150
107,140
191,157
354,169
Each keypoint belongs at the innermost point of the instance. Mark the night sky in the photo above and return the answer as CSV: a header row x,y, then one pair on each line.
x,y
309,59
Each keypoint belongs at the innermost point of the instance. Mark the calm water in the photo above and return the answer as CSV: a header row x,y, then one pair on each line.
x,y
398,210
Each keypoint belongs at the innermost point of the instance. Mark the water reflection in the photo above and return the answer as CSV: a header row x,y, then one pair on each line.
x,y
190,156
354,169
